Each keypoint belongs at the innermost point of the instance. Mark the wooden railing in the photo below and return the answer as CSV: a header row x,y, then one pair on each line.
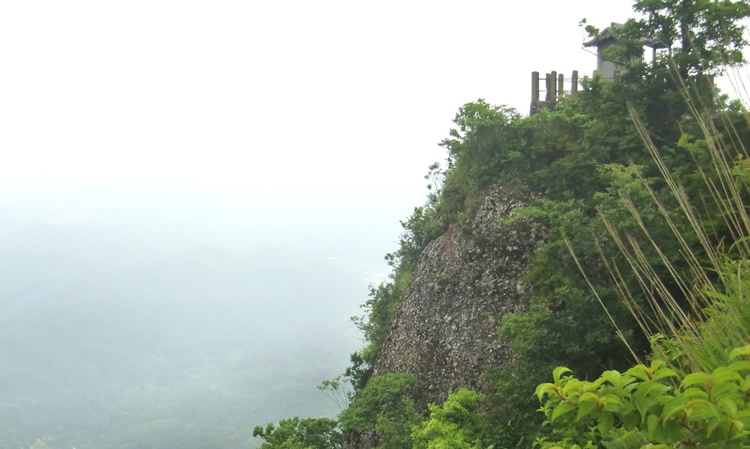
x,y
554,90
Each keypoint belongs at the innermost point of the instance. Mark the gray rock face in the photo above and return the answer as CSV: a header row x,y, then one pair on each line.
x,y
445,331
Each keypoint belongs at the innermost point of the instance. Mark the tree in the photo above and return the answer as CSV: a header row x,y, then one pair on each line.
x,y
296,433
708,34
701,36
457,424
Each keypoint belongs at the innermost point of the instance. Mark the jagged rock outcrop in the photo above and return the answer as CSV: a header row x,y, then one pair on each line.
x,y
445,330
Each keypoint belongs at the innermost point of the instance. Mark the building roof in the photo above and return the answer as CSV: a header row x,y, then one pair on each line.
x,y
611,33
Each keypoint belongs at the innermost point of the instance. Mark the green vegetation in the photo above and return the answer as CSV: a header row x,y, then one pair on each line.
x,y
295,433
457,424
640,187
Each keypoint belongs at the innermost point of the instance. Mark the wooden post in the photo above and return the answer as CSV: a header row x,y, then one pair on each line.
x,y
574,83
551,89
560,85
534,92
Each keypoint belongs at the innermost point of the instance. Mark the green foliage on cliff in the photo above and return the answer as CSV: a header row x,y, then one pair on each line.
x,y
384,405
456,424
296,433
625,183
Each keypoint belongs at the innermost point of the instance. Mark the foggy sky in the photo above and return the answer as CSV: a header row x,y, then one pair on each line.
x,y
275,120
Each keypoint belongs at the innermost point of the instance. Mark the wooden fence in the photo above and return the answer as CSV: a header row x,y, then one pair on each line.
x,y
553,91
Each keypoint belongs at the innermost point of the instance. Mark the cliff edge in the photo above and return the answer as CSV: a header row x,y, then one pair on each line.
x,y
445,329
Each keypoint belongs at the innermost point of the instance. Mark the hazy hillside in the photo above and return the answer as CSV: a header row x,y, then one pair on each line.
x,y
106,345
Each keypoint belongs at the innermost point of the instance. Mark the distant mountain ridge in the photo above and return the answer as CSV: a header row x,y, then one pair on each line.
x,y
103,345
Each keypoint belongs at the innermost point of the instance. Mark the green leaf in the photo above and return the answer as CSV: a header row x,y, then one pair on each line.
x,y
745,384
723,374
741,365
674,406
561,409
695,393
572,386
655,429
559,371
644,404
585,409
643,389
729,407
736,352
588,396
713,423
700,409
545,388
662,373
611,399
656,364
696,378
737,427
606,423
638,371
724,389
613,377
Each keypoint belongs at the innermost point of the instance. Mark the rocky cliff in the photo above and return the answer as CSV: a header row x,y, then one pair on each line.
x,y
445,330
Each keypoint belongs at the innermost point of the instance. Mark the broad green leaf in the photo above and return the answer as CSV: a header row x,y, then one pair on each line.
x,y
657,364
644,404
728,406
643,389
632,386
740,365
638,371
724,389
589,386
712,424
585,409
723,374
627,380
606,423
658,389
559,371
543,389
613,377
700,408
695,393
662,373
737,427
745,385
572,386
561,409
631,420
597,383
674,406
736,352
610,398
672,431
696,378
585,397
655,429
